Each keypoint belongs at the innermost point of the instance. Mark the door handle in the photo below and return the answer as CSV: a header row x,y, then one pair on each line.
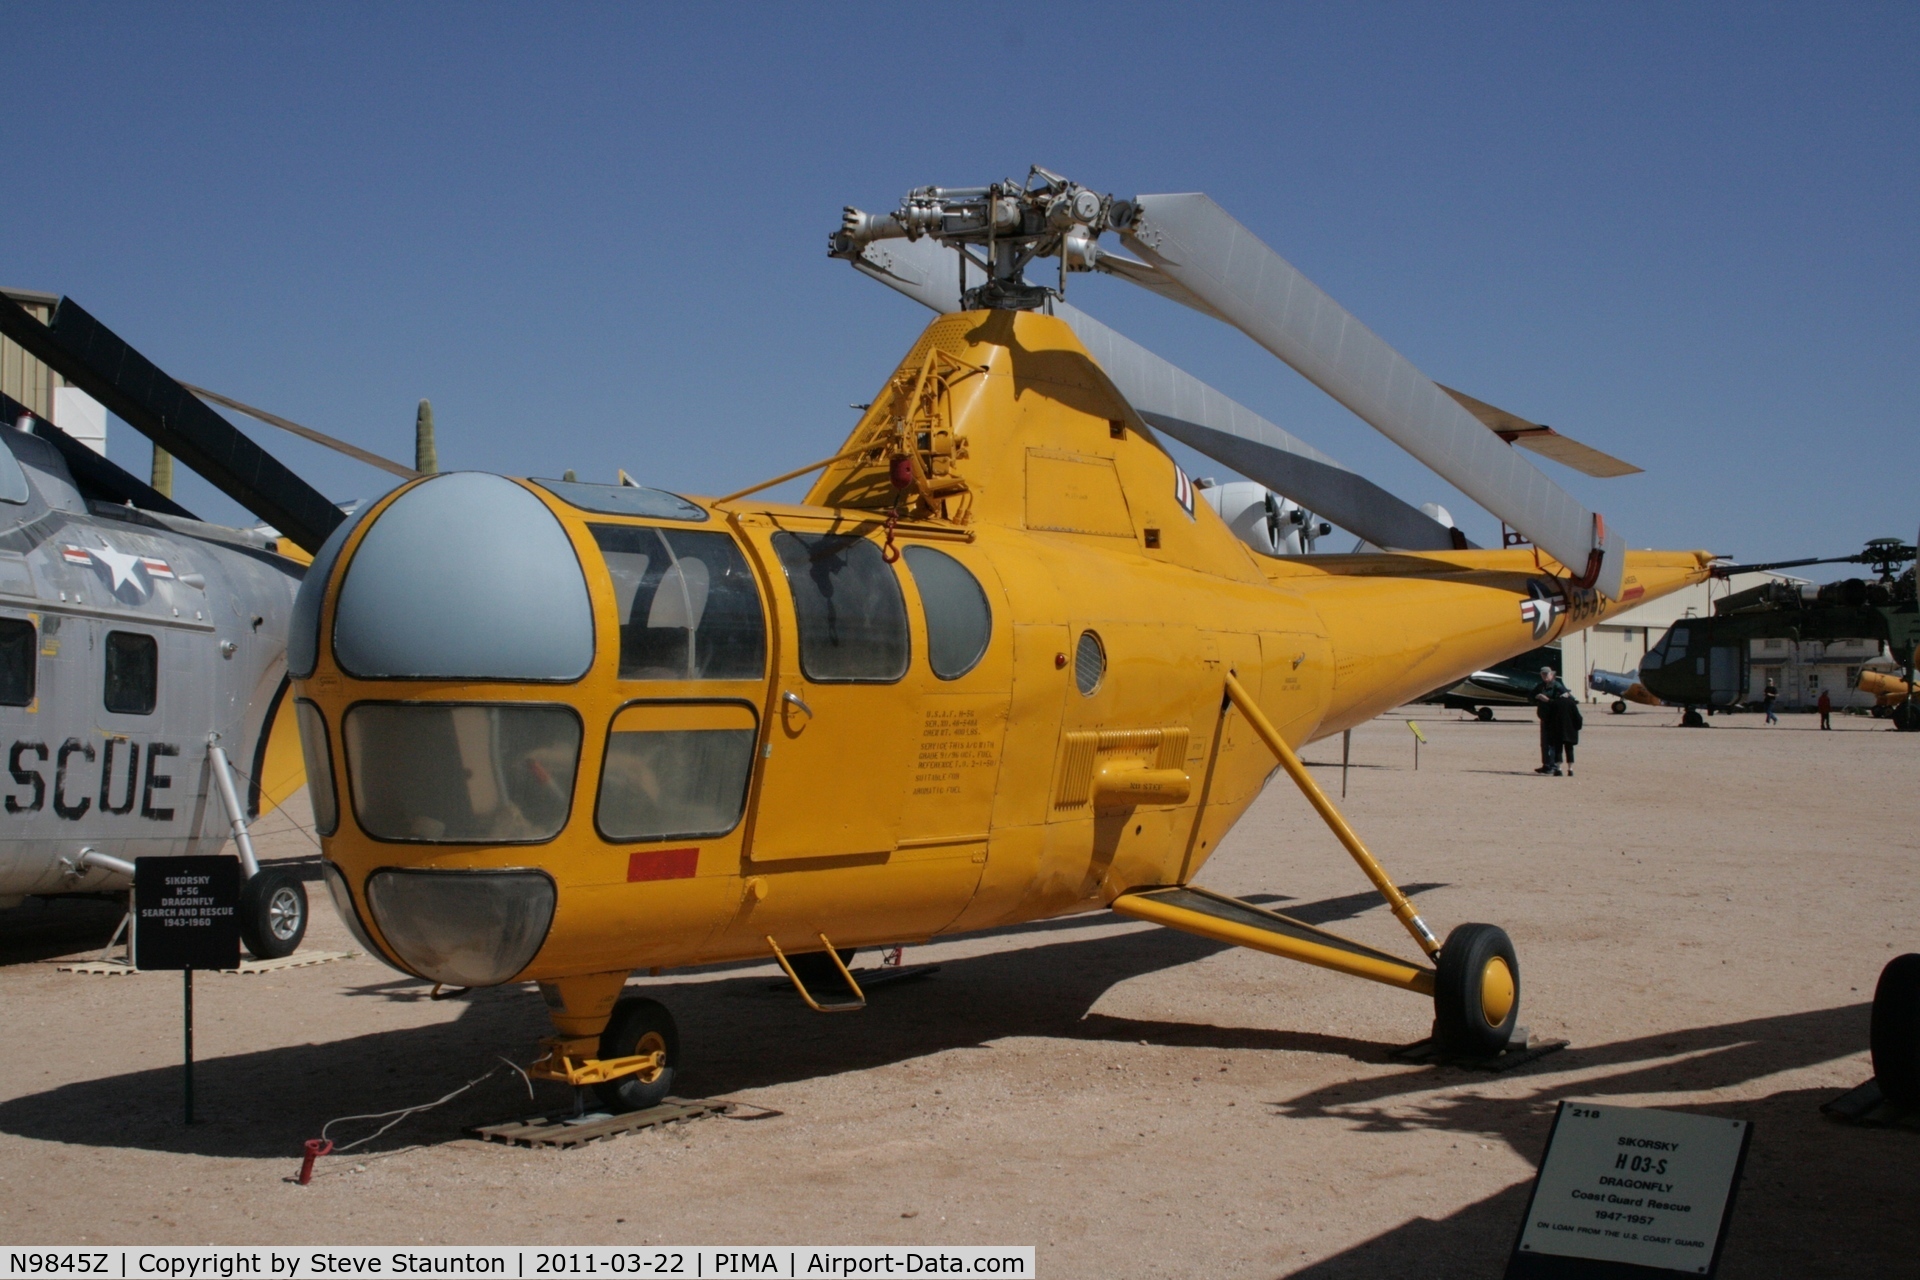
x,y
794,698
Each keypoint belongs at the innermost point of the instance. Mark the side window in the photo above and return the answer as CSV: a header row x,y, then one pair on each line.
x,y
959,621
18,641
688,606
133,673
853,619
675,772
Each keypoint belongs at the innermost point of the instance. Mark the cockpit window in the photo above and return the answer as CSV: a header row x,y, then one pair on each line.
x,y
688,606
465,576
624,500
1672,648
853,619
13,478
460,773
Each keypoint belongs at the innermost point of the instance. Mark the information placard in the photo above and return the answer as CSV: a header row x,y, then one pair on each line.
x,y
187,912
1638,1191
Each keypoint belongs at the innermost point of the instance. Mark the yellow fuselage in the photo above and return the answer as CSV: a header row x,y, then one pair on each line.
x,y
894,811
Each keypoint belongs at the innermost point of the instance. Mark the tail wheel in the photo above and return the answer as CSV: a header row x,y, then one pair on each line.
x,y
639,1026
1476,993
1896,1031
273,913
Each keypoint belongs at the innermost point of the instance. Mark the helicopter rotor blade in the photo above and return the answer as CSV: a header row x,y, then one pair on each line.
x,y
1179,404
1542,439
1175,402
95,359
308,433
1202,248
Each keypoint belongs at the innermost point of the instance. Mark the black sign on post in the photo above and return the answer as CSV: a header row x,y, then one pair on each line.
x,y
187,913
186,917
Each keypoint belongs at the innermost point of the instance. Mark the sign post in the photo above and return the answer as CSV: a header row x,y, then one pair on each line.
x,y
1630,1192
186,917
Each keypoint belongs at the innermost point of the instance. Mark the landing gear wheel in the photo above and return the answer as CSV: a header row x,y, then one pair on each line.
x,y
639,1026
1619,706
1476,994
817,970
1896,1031
1483,714
1906,717
273,913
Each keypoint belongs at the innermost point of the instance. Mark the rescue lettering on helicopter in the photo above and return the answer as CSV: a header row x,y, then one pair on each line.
x,y
122,778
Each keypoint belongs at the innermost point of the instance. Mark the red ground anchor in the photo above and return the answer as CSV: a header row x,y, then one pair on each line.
x,y
316,1147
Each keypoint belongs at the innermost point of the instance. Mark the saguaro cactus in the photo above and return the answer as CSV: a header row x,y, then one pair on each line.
x,y
162,472
425,457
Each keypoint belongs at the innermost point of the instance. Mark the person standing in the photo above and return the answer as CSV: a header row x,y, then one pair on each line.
x,y
1550,689
1563,714
1768,697
1826,709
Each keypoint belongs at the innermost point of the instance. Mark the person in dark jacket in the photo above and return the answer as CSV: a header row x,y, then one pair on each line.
x,y
1550,691
1826,709
1564,723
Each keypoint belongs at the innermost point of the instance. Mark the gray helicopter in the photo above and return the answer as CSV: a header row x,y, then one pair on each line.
x,y
144,706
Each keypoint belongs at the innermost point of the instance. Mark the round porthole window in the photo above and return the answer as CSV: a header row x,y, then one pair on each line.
x,y
1089,662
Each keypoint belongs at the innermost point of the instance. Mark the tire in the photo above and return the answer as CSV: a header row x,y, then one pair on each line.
x,y
638,1026
1906,716
273,913
1896,1031
817,970
1483,714
1619,707
1478,973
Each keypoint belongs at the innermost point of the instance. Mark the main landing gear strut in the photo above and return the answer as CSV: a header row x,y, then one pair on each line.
x,y
1475,983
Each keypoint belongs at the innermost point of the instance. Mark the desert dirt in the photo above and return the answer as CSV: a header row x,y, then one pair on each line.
x,y
1702,914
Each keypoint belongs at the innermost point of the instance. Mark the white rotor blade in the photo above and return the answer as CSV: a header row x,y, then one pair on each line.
x,y
1202,248
1174,401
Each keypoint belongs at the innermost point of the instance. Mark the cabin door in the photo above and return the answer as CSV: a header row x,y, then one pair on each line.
x,y
1725,682
840,732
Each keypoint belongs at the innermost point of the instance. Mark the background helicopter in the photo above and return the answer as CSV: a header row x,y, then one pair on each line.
x,y
1718,662
143,686
142,658
1000,666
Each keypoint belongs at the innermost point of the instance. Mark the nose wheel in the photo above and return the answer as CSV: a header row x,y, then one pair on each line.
x,y
639,1027
1476,992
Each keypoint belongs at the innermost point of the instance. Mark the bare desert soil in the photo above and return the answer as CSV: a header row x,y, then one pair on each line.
x,y
1703,914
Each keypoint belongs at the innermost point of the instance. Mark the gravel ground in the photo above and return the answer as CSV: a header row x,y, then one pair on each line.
x,y
1703,914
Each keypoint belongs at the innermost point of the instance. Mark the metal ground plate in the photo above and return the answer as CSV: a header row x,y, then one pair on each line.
x,y
1866,1105
298,960
1516,1054
577,1131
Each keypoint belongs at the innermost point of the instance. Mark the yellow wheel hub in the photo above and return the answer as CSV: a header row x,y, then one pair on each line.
x,y
652,1042
1496,992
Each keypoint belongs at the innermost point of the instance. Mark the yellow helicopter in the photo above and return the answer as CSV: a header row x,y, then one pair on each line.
x,y
998,666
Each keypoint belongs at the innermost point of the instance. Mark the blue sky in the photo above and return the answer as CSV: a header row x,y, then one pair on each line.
x,y
594,236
